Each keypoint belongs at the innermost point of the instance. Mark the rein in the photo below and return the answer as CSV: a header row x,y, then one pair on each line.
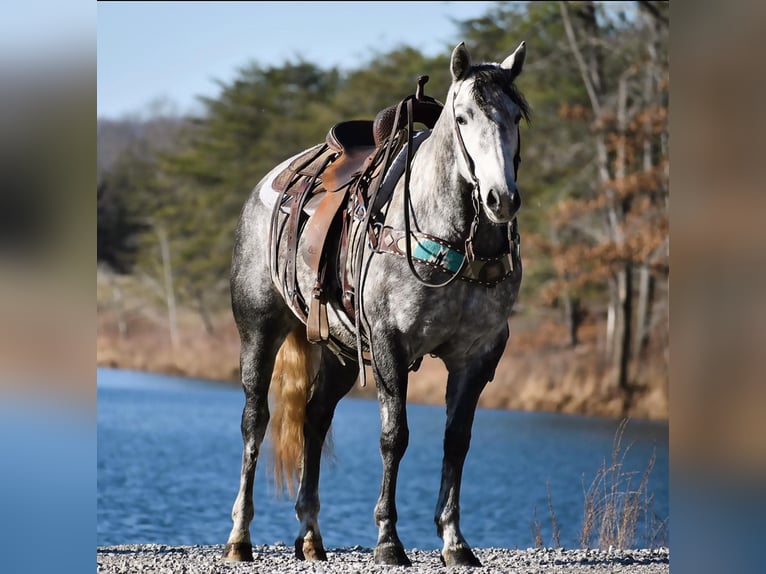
x,y
359,253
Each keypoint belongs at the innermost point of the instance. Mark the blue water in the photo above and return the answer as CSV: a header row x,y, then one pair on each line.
x,y
169,453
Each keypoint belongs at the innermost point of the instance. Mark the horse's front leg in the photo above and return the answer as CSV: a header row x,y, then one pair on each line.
x,y
333,382
464,385
391,380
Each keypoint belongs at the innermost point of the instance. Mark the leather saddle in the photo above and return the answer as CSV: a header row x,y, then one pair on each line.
x,y
316,185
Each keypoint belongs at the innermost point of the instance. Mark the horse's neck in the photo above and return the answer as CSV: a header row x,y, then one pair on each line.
x,y
441,199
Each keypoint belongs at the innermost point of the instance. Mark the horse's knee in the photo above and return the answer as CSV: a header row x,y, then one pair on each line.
x,y
256,411
394,442
255,420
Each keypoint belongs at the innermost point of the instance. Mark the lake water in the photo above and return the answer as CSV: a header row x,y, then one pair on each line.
x,y
169,452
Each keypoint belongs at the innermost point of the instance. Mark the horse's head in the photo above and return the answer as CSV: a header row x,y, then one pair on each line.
x,y
486,109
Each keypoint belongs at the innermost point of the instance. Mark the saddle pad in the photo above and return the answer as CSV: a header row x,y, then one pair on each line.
x,y
269,194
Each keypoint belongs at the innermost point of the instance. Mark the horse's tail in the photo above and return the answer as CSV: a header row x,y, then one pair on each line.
x,y
291,381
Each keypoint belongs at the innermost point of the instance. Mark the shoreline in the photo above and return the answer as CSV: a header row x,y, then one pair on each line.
x,y
139,558
532,376
427,388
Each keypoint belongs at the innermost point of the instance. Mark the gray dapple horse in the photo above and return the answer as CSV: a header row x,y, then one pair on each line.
x,y
462,198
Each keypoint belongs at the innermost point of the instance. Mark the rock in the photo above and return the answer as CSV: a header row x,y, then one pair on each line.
x,y
153,558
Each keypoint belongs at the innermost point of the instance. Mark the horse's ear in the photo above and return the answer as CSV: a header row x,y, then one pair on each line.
x,y
515,62
460,62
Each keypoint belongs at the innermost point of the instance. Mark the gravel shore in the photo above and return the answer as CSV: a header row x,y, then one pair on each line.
x,y
161,559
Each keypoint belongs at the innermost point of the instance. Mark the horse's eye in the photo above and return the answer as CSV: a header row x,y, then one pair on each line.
x,y
461,120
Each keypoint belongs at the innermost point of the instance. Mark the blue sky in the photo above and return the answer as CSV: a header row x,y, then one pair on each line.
x,y
174,51
44,29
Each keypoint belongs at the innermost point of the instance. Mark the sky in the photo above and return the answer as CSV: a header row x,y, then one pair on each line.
x,y
154,52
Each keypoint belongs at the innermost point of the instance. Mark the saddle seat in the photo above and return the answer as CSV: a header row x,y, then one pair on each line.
x,y
357,140
334,163
354,142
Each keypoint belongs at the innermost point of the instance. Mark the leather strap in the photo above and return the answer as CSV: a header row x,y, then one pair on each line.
x,y
438,254
318,226
293,224
317,325
347,287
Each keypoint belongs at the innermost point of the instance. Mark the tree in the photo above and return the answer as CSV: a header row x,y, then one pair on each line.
x,y
556,162
628,130
387,79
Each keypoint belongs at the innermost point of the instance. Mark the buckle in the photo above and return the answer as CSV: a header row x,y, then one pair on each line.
x,y
374,230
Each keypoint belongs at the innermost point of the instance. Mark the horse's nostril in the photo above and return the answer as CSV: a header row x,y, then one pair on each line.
x,y
493,200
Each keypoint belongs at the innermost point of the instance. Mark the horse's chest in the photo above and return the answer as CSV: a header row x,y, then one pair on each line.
x,y
461,311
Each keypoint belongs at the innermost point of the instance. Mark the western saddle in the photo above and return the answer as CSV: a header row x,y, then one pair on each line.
x,y
323,190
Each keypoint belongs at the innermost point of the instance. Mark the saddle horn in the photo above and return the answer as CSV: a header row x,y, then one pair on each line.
x,y
425,110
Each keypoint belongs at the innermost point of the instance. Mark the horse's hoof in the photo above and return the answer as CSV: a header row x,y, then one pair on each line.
x,y
391,554
238,552
309,549
459,556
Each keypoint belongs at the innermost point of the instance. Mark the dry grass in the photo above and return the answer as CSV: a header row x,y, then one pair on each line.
x,y
537,529
554,523
561,380
612,505
564,381
613,502
146,347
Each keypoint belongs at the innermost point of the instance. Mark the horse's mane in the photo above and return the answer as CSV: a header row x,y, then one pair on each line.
x,y
491,82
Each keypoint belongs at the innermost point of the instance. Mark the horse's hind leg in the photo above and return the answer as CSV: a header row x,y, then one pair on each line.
x,y
260,344
334,381
464,385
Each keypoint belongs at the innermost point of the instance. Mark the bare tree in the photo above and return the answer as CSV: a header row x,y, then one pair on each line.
x,y
623,127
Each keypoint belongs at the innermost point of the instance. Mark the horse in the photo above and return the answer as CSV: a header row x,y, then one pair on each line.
x,y
437,269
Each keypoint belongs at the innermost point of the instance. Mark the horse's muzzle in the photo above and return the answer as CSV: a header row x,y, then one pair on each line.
x,y
502,207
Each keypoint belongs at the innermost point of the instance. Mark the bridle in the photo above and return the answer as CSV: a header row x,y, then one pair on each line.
x,y
475,198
